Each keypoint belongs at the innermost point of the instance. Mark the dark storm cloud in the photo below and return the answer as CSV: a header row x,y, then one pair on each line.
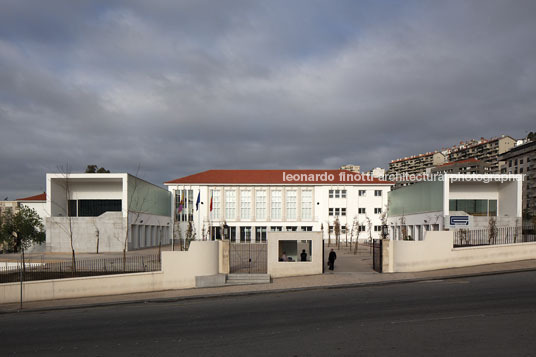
x,y
183,86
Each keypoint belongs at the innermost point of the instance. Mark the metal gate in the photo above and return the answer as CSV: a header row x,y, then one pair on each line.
x,y
248,258
377,255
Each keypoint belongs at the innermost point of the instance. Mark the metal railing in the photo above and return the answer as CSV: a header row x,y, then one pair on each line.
x,y
10,271
502,235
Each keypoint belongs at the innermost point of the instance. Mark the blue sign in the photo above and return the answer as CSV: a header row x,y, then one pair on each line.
x,y
459,221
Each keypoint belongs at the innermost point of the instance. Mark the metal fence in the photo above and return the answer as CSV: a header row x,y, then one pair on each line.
x,y
10,272
501,235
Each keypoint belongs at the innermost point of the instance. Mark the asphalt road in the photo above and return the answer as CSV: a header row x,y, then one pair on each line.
x,y
481,316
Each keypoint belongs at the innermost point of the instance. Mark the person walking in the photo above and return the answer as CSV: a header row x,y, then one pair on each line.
x,y
331,259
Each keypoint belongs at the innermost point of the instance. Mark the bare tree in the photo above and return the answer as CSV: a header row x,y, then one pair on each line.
x,y
346,233
492,229
137,202
329,234
97,233
65,171
337,231
357,231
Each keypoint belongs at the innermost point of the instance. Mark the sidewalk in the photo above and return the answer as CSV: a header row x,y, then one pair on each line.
x,y
327,280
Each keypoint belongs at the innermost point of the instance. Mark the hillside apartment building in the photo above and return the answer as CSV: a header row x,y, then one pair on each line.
x,y
486,150
522,160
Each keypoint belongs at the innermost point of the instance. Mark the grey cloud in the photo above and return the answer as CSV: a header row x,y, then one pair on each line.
x,y
180,87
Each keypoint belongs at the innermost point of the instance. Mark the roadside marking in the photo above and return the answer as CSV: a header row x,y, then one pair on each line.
x,y
438,319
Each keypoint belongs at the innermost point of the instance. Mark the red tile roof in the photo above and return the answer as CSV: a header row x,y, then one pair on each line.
x,y
277,177
460,162
40,197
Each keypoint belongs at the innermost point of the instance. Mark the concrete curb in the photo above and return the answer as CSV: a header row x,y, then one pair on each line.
x,y
257,292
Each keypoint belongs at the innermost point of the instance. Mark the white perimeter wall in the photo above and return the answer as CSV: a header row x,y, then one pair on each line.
x,y
436,252
179,270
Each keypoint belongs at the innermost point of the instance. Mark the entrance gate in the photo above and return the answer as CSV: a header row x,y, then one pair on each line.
x,y
377,255
248,258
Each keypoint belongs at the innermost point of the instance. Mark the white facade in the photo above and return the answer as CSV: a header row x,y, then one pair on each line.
x,y
426,206
105,213
251,209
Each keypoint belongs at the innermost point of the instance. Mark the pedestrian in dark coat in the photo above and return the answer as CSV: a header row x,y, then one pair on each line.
x,y
331,259
303,256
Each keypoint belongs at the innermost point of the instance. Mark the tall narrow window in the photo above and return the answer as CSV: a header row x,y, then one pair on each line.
x,y
260,234
216,204
245,204
230,205
307,204
260,205
245,234
276,205
291,205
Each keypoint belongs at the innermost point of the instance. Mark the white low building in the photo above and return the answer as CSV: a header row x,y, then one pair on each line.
x,y
105,213
245,204
37,203
427,205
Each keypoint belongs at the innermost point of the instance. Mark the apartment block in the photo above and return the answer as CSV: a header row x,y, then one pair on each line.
x,y
486,150
416,164
469,166
522,160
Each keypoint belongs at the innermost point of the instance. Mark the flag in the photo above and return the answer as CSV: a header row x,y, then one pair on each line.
x,y
198,201
181,205
210,203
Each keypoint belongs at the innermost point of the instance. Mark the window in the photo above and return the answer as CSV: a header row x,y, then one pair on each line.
x,y
245,234
474,207
361,210
92,208
343,193
337,193
362,193
260,234
307,204
377,228
510,163
295,250
184,201
216,204
343,211
245,204
260,205
337,211
361,228
306,229
330,193
291,228
377,192
276,229
377,210
232,234
230,205
291,205
520,161
72,209
521,170
331,211
276,204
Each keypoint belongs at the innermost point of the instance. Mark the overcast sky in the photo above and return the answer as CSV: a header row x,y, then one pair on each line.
x,y
179,87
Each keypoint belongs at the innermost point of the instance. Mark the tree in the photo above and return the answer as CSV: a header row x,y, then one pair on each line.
x,y
27,226
94,169
337,230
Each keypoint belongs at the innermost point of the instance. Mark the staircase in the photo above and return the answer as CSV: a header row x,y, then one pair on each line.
x,y
244,279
